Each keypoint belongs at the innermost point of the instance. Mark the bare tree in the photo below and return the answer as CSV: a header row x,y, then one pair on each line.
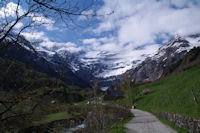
x,y
37,13
97,119
128,83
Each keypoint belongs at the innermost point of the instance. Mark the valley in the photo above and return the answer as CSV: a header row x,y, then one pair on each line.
x,y
45,101
99,66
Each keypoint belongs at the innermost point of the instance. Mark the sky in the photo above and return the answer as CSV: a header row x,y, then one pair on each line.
x,y
131,28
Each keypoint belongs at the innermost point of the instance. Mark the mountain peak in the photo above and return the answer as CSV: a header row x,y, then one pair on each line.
x,y
152,68
108,67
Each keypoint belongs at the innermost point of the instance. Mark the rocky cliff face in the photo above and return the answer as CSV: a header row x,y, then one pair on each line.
x,y
152,67
191,59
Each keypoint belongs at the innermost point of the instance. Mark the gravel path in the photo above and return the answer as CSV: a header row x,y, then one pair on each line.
x,y
144,122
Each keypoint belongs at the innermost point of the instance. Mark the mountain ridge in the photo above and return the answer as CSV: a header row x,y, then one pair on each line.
x,y
38,62
152,67
107,68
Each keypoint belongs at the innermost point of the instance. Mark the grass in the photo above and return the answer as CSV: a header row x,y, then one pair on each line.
x,y
124,101
66,111
53,117
173,94
119,126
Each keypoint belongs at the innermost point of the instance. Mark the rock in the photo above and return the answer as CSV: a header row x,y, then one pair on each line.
x,y
145,92
134,106
53,102
153,67
190,124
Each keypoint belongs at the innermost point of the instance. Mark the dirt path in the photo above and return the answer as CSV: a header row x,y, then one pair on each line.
x,y
144,122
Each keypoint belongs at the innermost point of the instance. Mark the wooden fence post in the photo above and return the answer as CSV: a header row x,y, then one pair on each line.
x,y
194,97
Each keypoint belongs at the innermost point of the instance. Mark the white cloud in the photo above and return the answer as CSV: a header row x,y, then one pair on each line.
x,y
19,25
48,44
39,19
10,10
141,22
86,15
90,41
34,36
101,44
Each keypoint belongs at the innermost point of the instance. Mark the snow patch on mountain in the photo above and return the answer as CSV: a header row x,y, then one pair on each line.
x,y
74,67
152,67
115,70
41,49
178,43
194,41
109,65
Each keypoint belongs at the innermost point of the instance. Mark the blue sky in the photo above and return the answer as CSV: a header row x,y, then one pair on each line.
x,y
133,22
136,27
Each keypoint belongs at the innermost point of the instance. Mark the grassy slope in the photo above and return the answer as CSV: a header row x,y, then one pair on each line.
x,y
173,94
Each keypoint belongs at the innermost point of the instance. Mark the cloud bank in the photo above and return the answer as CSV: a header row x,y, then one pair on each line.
x,y
144,22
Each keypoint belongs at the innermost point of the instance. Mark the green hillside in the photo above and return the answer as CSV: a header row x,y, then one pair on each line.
x,y
173,94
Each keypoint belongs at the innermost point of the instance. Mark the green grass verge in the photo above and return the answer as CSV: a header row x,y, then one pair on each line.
x,y
53,117
119,126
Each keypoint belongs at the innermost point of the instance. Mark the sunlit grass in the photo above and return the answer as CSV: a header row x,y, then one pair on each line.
x,y
53,117
173,94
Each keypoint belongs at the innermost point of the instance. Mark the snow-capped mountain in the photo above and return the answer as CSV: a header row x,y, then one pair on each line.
x,y
152,67
109,68
26,54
